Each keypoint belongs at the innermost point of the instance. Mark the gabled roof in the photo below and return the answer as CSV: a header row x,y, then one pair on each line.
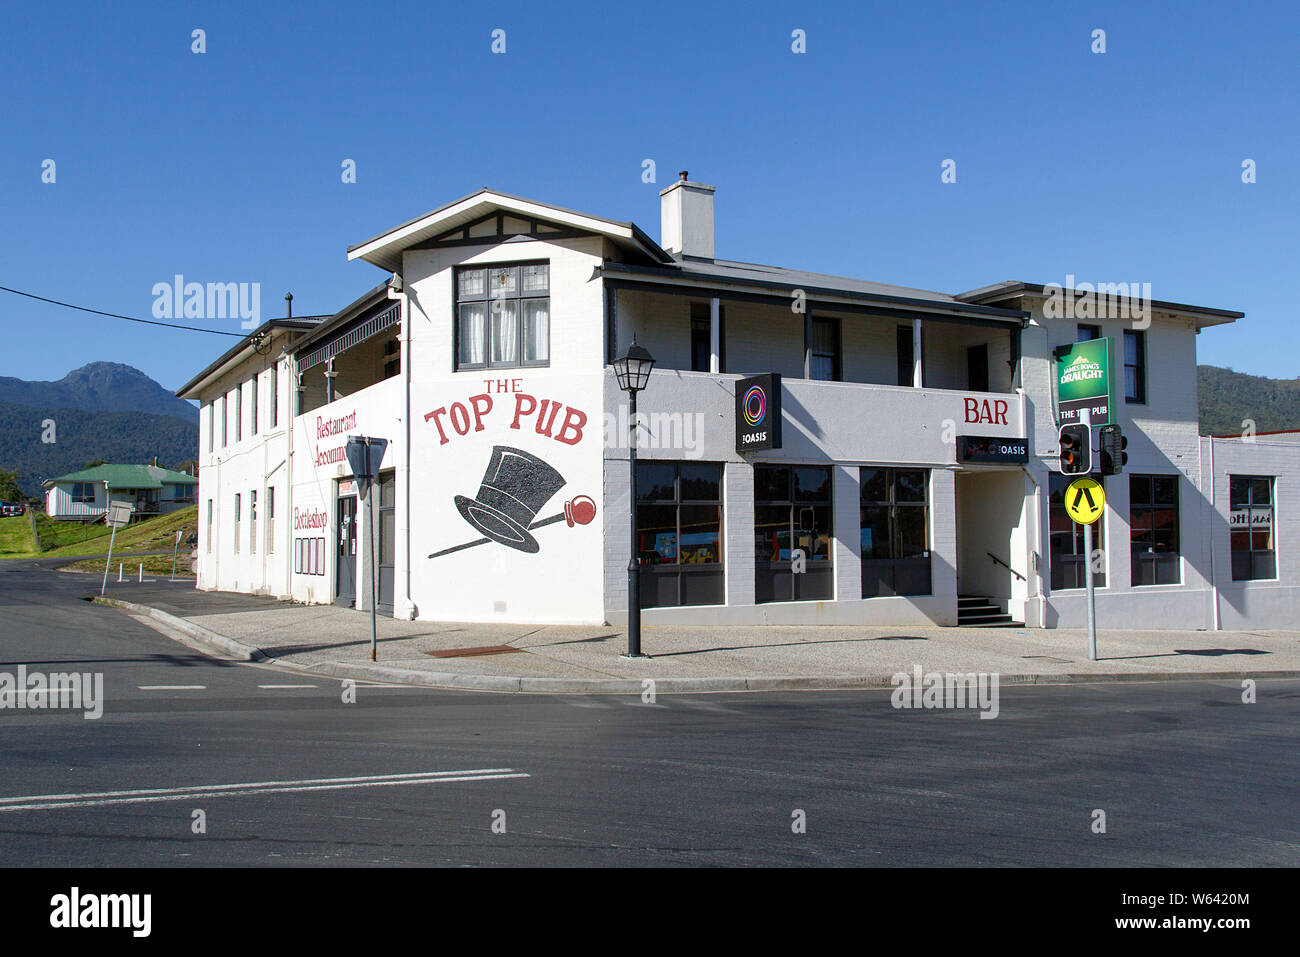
x,y
127,476
1012,289
385,250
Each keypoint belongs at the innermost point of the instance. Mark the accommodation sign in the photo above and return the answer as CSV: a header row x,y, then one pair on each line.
x,y
758,413
989,448
1084,381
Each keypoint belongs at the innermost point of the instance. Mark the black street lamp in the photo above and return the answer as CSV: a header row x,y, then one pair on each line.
x,y
633,372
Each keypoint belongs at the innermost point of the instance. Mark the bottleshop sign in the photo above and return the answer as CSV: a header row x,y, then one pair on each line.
x,y
1257,520
1084,381
989,448
758,413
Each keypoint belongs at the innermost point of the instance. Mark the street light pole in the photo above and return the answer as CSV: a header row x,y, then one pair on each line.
x,y
633,372
634,559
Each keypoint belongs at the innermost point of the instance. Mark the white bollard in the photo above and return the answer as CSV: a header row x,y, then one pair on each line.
x,y
142,573
119,571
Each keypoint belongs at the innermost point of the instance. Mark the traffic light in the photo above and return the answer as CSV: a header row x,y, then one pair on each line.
x,y
1113,442
1076,450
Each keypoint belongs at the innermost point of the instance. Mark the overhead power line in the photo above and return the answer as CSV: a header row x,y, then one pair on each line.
x,y
114,315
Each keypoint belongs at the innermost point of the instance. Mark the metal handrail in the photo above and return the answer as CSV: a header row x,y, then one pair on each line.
x,y
1006,566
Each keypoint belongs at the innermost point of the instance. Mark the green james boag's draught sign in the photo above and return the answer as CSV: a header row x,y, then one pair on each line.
x,y
1083,381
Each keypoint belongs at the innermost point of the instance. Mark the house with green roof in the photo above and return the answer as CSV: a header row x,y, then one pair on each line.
x,y
149,489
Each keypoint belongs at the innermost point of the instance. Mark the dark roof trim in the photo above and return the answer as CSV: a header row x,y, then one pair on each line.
x,y
701,281
298,324
1011,289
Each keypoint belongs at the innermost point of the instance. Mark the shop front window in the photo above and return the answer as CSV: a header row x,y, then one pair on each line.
x,y
792,533
679,533
895,532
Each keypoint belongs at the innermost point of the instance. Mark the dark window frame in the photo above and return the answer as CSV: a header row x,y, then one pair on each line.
x,y
691,578
1148,507
906,356
887,584
822,569
1256,560
977,377
518,298
1093,330
836,355
1066,567
1139,365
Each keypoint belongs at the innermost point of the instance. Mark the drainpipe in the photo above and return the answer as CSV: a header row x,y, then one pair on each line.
x,y
291,368
406,446
1214,512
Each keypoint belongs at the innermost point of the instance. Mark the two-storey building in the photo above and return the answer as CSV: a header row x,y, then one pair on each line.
x,y
915,481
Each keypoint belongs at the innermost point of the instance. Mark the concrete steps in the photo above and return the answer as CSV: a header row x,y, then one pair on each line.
x,y
979,611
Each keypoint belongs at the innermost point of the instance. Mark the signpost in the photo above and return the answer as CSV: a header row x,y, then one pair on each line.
x,y
175,549
119,514
364,455
1085,502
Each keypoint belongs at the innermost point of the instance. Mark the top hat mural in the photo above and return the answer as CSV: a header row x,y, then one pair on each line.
x,y
515,486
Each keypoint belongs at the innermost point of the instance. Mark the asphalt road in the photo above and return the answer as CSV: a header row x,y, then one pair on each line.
x,y
1186,773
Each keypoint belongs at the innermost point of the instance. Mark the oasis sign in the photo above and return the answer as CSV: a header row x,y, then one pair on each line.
x,y
991,448
758,413
1083,381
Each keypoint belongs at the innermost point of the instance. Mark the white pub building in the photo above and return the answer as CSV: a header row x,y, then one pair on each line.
x,y
913,475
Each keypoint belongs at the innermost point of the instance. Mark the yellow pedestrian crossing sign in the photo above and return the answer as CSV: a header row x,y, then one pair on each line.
x,y
1085,500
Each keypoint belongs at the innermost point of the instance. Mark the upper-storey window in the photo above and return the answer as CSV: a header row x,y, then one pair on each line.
x,y
1135,366
503,316
1086,331
825,345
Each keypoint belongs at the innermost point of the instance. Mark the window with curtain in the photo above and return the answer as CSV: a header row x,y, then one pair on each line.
x,y
825,349
503,316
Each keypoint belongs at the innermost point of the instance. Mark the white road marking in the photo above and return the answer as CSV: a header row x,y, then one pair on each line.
x,y
40,802
287,686
172,687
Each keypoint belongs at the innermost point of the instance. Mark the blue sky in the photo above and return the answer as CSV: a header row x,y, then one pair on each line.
x,y
225,166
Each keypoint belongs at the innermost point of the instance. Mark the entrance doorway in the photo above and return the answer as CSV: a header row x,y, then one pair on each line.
x,y
992,577
345,565
387,488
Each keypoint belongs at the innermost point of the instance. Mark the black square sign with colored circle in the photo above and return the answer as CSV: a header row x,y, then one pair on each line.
x,y
758,413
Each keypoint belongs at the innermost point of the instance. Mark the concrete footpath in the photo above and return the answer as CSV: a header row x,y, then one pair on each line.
x,y
325,640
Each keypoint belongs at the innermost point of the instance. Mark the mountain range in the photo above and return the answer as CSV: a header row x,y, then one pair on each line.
x,y
99,387
104,410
